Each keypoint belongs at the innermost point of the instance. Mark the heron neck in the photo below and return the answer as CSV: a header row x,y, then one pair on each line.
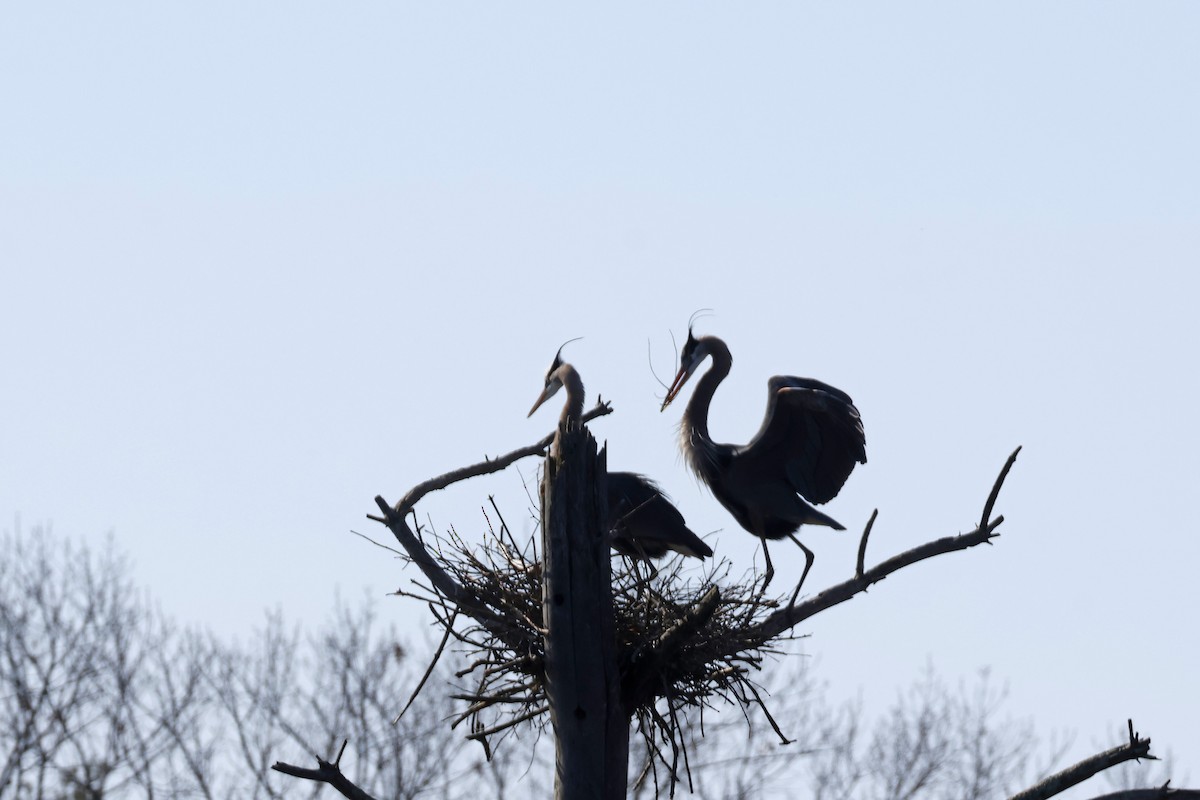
x,y
696,417
573,410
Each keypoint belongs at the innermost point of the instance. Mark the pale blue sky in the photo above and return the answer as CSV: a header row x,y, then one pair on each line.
x,y
262,262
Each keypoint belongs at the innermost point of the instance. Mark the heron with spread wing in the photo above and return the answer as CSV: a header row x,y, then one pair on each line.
x,y
809,442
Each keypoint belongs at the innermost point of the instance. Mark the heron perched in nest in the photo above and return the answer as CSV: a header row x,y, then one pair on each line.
x,y
809,442
641,520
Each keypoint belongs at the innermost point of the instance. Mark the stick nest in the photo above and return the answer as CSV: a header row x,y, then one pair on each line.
x,y
676,630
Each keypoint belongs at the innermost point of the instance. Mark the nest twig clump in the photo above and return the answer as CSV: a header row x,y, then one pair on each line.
x,y
680,638
506,656
687,643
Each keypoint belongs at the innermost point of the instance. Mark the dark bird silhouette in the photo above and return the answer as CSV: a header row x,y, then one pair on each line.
x,y
809,442
641,520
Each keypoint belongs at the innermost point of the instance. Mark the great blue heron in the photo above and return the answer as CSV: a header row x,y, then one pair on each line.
x,y
642,521
810,440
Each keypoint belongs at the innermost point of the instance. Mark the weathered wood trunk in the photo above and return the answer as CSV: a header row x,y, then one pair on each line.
x,y
591,731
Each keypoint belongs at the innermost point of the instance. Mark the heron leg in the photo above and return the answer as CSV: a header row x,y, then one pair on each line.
x,y
634,565
770,573
649,565
809,558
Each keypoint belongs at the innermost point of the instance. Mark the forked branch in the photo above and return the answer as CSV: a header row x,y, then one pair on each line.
x,y
325,773
1135,748
792,615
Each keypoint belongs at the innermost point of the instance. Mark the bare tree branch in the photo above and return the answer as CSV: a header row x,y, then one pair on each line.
x,y
1161,793
788,617
991,501
1135,748
325,773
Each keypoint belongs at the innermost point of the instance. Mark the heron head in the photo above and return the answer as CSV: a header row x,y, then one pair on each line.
x,y
554,377
553,384
694,351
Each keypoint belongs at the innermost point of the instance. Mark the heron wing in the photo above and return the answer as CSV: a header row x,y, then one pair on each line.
x,y
812,433
640,511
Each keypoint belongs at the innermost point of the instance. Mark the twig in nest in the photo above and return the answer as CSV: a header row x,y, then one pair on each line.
x,y
480,734
448,629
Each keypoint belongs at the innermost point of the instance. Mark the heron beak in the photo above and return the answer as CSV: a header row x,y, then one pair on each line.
x,y
681,378
545,395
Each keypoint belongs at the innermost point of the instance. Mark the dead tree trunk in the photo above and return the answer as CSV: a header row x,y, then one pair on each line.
x,y
591,730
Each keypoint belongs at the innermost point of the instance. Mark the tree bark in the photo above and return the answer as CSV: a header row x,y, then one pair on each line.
x,y
591,730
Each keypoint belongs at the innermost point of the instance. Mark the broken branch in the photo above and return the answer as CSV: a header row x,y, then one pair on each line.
x,y
325,773
1135,748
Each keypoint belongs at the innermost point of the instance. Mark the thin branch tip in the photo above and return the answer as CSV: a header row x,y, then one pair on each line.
x,y
862,545
995,493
